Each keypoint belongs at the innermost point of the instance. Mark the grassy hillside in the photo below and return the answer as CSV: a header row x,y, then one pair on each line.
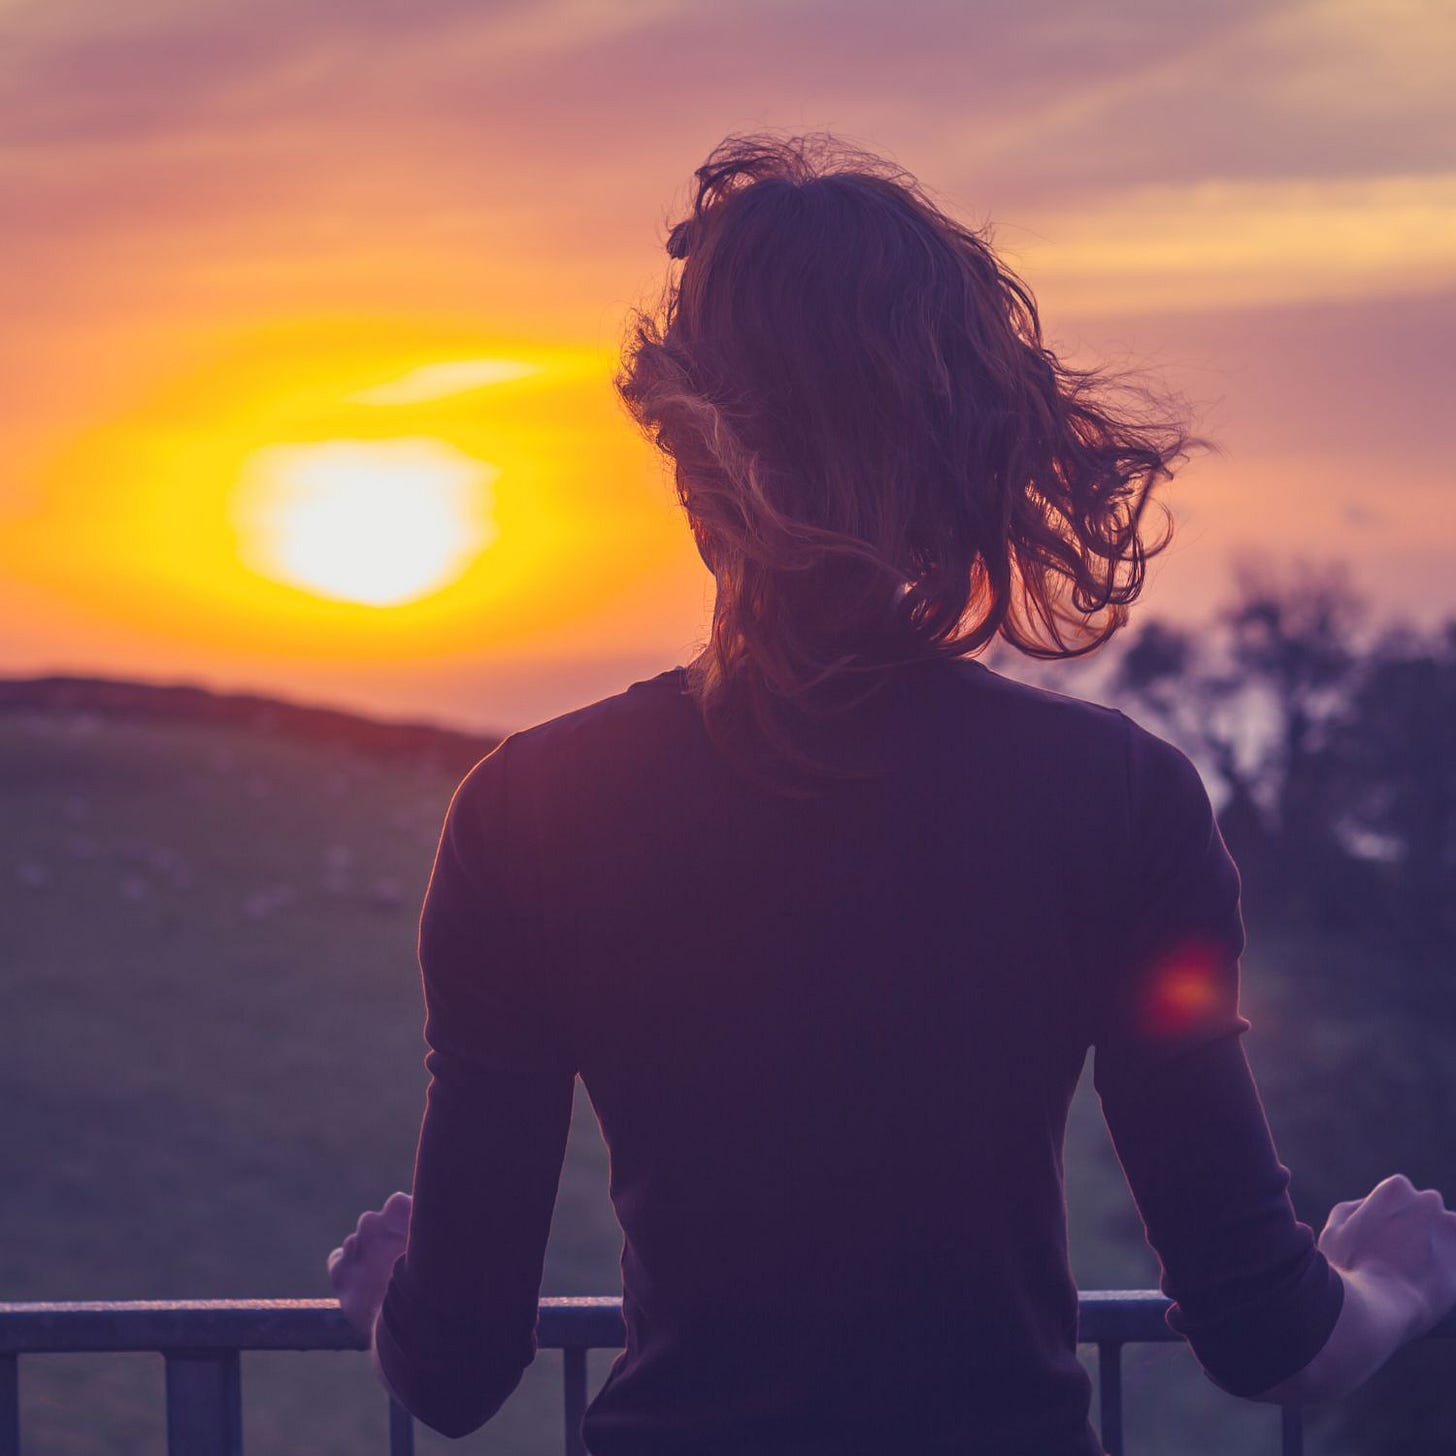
x,y
210,1060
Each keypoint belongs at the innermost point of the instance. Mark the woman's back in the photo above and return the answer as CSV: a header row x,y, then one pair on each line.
x,y
832,1041
827,920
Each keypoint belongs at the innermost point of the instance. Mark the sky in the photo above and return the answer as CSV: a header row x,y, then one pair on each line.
x,y
270,266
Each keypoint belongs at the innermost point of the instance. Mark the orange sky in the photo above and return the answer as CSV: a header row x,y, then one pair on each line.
x,y
235,227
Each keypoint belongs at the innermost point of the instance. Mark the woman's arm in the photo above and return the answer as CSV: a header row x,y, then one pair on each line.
x,y
1271,1314
457,1324
457,1327
1252,1293
1395,1251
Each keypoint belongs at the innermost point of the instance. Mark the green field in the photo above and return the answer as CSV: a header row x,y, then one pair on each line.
x,y
211,1062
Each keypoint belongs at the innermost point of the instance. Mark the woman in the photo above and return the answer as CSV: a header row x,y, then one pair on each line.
x,y
828,921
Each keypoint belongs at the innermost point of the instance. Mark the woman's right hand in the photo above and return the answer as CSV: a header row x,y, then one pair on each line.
x,y
1399,1241
1395,1251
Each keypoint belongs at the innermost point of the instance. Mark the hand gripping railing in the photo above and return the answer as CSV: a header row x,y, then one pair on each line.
x,y
201,1340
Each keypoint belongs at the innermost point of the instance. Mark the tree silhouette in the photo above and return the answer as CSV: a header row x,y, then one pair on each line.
x,y
1395,748
1255,698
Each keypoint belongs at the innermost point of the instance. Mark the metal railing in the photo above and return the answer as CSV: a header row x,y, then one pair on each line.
x,y
201,1341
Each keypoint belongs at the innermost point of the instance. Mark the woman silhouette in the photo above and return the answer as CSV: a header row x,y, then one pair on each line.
x,y
828,921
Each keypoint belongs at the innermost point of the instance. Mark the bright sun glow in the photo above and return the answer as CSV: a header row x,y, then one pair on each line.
x,y
380,522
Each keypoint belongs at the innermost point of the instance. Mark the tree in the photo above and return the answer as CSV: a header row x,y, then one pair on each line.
x,y
1255,697
1394,742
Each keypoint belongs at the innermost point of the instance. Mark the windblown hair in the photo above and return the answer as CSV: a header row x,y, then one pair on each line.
x,y
880,459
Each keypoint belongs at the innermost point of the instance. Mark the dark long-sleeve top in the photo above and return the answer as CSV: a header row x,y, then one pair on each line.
x,y
831,1043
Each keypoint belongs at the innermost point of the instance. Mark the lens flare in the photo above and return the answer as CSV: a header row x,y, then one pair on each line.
x,y
1184,989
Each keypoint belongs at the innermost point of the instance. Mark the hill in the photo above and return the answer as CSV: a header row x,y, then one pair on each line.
x,y
259,716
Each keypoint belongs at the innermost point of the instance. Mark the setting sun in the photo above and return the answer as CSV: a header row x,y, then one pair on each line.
x,y
379,522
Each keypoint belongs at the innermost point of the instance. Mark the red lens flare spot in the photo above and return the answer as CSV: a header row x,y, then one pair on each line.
x,y
1183,989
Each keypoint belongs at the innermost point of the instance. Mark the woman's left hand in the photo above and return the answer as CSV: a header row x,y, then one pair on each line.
x,y
360,1267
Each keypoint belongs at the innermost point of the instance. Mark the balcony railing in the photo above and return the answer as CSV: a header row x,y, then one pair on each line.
x,y
201,1342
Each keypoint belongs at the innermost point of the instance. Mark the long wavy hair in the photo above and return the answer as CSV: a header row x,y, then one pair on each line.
x,y
881,460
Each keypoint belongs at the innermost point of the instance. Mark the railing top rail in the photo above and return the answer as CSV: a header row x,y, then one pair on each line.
x,y
176,1324
1105,1315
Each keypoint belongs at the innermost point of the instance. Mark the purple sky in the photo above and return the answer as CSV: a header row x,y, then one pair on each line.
x,y
1257,201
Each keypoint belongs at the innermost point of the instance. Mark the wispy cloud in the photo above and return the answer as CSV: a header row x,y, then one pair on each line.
x,y
443,380
1245,243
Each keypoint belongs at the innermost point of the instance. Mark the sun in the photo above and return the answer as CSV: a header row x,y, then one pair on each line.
x,y
379,522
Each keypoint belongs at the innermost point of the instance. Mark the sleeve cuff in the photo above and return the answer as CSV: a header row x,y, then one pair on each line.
x,y
452,1377
1268,1337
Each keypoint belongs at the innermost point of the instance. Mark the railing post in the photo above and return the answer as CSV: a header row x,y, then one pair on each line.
x,y
1291,1431
9,1405
204,1403
1109,1392
401,1430
573,1370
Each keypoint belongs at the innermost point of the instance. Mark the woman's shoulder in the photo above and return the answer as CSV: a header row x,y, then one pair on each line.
x,y
587,740
1086,735
1036,722
661,696
1034,698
